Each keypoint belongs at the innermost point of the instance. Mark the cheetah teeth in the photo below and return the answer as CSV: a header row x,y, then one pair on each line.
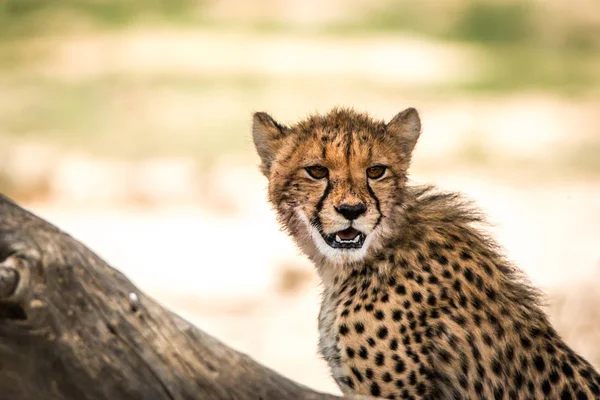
x,y
340,240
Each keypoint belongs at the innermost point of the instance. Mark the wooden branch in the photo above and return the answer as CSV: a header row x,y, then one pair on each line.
x,y
71,327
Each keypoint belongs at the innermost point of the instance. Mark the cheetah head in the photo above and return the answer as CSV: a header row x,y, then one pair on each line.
x,y
337,180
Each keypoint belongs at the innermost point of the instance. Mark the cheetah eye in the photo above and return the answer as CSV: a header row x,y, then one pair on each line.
x,y
317,172
376,171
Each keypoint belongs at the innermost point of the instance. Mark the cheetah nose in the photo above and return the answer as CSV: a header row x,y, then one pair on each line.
x,y
351,211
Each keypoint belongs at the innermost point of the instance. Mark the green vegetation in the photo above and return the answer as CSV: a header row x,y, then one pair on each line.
x,y
137,114
27,18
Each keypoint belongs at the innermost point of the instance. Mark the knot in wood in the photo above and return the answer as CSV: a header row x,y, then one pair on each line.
x,y
9,279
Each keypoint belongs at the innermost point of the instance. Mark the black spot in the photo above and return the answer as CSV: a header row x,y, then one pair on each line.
x,y
499,330
382,332
434,314
400,366
519,379
488,270
567,370
463,381
550,348
478,387
447,274
421,388
477,319
379,315
465,255
348,382
581,395
478,281
357,373
406,304
423,318
459,319
566,394
359,327
400,384
369,373
524,363
379,359
415,358
401,290
397,315
585,373
417,297
498,393
344,329
535,332
476,302
510,352
480,371
475,352
468,274
433,280
385,298
350,352
539,363
345,313
456,285
363,353
410,315
546,387
369,307
445,356
573,358
456,267
487,339
394,344
525,342
462,300
418,338
496,367
554,376
352,292
412,378
491,294
530,386
386,377
442,260
357,308
371,342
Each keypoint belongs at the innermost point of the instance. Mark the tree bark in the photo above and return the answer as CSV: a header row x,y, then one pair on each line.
x,y
72,327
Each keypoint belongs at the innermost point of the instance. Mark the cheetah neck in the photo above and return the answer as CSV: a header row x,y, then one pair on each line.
x,y
436,236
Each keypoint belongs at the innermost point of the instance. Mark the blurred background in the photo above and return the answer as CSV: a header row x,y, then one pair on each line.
x,y
127,123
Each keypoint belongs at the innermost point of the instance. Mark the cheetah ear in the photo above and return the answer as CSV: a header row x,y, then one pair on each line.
x,y
267,135
406,126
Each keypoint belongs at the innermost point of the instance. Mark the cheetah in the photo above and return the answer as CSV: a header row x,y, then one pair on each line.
x,y
418,302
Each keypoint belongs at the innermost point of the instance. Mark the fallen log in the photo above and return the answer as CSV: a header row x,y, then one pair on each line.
x,y
72,327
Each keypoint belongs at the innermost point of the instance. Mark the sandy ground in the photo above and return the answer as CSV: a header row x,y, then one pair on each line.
x,y
224,272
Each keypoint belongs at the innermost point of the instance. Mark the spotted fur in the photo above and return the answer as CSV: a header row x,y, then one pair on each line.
x,y
428,307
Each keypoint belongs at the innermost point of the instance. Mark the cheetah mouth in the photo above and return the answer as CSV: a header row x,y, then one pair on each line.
x,y
349,238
